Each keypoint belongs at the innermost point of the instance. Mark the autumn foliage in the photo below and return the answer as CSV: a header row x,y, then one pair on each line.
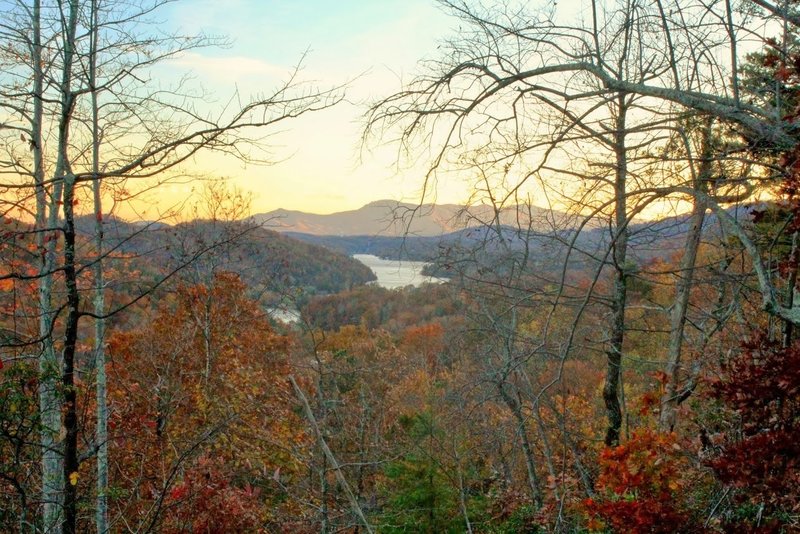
x,y
200,407
760,453
206,501
638,486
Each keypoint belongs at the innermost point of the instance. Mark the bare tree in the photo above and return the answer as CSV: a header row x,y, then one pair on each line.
x,y
508,93
81,108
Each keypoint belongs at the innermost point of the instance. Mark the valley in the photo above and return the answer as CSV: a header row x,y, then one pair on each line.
x,y
582,318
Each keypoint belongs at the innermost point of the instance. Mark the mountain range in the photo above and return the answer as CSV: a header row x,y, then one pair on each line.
x,y
390,218
394,230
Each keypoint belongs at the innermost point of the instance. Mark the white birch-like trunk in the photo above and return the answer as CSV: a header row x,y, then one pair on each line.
x,y
101,432
49,368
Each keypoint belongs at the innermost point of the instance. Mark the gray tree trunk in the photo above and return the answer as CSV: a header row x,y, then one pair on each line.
x,y
791,282
331,458
49,367
101,432
527,450
620,291
683,289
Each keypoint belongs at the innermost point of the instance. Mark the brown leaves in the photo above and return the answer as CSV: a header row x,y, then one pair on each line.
x,y
205,372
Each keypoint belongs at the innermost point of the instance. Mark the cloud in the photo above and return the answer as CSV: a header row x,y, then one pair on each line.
x,y
230,68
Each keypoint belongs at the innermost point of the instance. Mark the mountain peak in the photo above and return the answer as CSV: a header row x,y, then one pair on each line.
x,y
387,217
383,203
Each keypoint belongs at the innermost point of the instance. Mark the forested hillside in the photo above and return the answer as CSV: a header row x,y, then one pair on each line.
x,y
262,258
615,349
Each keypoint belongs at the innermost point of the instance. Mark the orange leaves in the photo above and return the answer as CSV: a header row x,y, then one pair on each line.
x,y
639,464
648,401
205,368
638,484
426,340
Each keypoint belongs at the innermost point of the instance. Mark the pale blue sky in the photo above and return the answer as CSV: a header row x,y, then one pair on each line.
x,y
380,40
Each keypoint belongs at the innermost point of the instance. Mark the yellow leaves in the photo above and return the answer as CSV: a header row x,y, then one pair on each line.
x,y
73,478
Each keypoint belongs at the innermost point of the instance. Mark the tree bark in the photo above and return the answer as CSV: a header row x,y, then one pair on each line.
x,y
791,282
65,175
101,431
49,368
619,297
331,458
527,450
70,408
683,288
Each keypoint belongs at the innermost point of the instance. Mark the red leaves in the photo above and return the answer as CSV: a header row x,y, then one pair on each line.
x,y
179,492
759,383
210,504
207,351
783,74
638,485
762,456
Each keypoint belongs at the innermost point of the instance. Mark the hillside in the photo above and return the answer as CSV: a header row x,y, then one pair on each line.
x,y
262,257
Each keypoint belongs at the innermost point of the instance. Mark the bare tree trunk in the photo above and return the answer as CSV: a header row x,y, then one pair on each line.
x,y
64,174
49,368
331,458
49,402
70,407
683,288
462,496
794,260
548,451
101,432
619,297
323,483
527,450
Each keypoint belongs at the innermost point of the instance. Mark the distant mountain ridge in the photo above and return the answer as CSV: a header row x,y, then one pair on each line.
x,y
647,239
390,218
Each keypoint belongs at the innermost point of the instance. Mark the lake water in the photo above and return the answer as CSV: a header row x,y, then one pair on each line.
x,y
284,314
397,273
391,275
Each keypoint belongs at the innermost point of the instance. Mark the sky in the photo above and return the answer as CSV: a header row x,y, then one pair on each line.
x,y
372,45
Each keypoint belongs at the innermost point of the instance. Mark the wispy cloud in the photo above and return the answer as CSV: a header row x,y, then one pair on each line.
x,y
232,68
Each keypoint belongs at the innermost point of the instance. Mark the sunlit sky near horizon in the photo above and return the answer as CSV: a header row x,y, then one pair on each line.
x,y
319,165
372,45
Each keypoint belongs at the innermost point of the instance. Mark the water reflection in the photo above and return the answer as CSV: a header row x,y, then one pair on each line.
x,y
397,273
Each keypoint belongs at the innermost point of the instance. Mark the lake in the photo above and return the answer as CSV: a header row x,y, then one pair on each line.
x,y
391,275
284,314
397,273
